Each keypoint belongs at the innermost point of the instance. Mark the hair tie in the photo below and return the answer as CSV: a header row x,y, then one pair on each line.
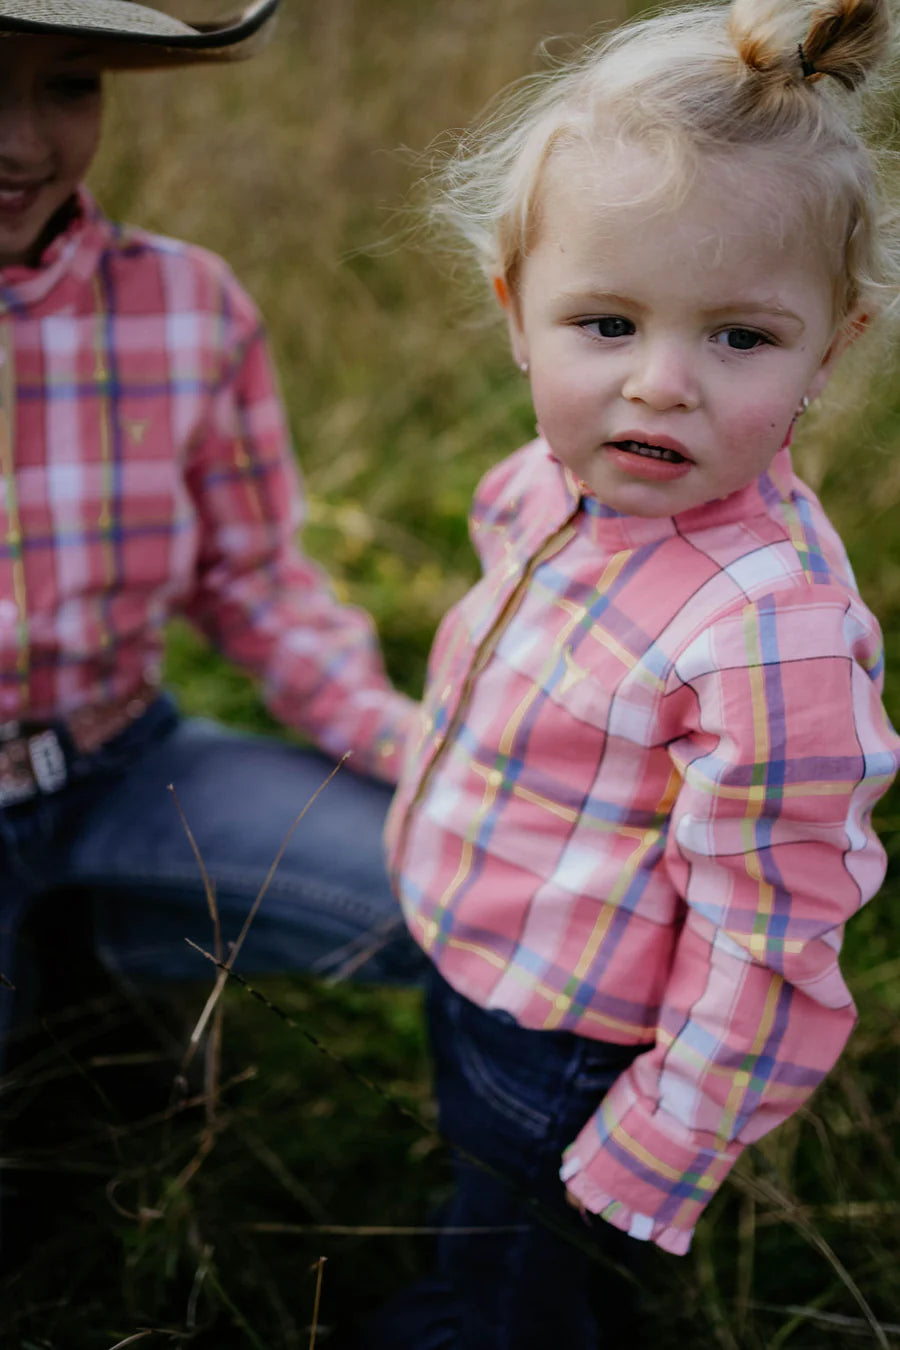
x,y
805,64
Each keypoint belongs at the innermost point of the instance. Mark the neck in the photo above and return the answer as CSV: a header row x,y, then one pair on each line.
x,y
58,222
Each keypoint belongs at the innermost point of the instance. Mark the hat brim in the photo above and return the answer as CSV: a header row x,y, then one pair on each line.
x,y
135,36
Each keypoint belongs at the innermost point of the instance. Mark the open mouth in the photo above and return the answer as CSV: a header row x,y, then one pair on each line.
x,y
17,196
650,451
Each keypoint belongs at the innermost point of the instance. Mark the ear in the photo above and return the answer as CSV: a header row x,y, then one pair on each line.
x,y
850,330
509,303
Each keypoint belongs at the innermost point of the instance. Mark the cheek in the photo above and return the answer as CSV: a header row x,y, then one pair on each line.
x,y
562,397
80,137
758,422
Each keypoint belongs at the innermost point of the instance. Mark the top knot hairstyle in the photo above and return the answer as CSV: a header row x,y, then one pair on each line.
x,y
844,40
776,79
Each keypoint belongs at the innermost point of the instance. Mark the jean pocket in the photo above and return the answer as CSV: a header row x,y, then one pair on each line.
x,y
601,1063
518,1074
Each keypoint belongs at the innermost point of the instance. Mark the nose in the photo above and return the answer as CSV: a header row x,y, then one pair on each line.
x,y
661,376
23,139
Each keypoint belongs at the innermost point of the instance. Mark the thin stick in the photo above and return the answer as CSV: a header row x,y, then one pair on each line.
x,y
541,1212
226,966
376,1230
320,1264
856,1325
207,883
760,1188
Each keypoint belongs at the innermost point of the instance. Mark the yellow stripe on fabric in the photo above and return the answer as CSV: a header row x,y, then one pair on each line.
x,y
612,569
649,838
756,943
756,676
475,949
662,1169
797,535
253,481
244,462
636,1029
597,631
605,639
104,514
14,534
492,776
570,815
566,813
742,1078
493,780
700,783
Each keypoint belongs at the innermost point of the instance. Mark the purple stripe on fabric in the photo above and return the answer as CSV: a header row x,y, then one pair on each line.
x,y
82,391
815,559
805,768
86,538
672,1194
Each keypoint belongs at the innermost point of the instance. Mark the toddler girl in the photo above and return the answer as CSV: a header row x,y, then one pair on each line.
x,y
637,814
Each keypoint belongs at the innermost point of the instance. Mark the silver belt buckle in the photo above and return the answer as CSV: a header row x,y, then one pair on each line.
x,y
48,761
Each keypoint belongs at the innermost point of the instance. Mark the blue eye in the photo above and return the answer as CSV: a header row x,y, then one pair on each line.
x,y
609,326
742,339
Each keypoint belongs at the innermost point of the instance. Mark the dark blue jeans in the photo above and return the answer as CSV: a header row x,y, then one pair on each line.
x,y
112,841
510,1100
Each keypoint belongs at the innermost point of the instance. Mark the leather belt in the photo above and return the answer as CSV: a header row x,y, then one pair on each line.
x,y
33,756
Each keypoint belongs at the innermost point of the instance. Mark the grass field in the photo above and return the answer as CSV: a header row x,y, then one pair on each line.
x,y
204,1229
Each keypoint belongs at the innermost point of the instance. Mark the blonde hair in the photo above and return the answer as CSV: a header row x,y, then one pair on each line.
x,y
776,78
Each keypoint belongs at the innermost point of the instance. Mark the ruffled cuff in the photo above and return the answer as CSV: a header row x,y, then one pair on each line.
x,y
644,1171
640,1226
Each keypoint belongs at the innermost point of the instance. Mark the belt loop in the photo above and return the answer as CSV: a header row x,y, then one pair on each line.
x,y
48,760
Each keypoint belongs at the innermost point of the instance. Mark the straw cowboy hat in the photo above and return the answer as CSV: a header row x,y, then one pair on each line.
x,y
134,34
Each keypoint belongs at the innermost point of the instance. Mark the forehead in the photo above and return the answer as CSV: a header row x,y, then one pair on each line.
x,y
613,186
619,203
37,52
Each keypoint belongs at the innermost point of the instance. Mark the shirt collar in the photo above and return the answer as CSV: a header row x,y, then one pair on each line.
x,y
614,530
73,251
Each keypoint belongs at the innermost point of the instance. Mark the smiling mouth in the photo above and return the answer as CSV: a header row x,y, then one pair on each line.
x,y
18,194
650,451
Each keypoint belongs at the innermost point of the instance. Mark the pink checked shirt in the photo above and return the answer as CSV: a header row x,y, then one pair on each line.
x,y
146,470
638,808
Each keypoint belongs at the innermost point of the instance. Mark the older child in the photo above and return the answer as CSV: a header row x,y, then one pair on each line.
x,y
637,814
146,471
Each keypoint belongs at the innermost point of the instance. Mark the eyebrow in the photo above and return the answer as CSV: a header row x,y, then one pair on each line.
x,y
745,306
738,306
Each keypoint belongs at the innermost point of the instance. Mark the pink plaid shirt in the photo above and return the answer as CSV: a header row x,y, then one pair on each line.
x,y
638,808
146,470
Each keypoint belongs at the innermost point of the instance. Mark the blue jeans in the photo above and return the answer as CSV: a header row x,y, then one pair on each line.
x,y
113,833
511,1099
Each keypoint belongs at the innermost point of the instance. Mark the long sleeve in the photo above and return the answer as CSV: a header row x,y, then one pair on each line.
x,y
784,748
256,597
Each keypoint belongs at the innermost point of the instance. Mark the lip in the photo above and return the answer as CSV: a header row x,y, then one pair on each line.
x,y
649,438
648,470
16,198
